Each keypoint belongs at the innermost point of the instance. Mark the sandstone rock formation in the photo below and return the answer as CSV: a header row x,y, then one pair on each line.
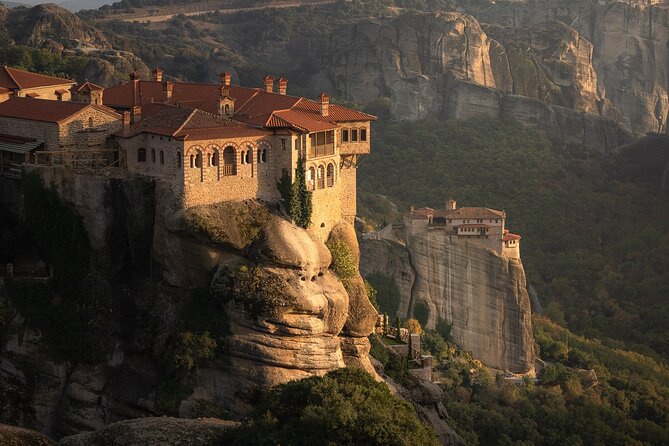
x,y
285,313
161,431
629,41
446,65
481,293
16,436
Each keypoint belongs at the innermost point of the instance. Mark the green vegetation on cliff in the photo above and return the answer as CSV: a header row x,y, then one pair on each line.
x,y
591,395
345,407
595,234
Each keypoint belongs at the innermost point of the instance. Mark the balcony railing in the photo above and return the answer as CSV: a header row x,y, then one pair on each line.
x,y
228,169
324,150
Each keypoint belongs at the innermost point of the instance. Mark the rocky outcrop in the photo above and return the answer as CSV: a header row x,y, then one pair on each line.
x,y
629,42
282,313
44,25
16,436
446,65
155,432
481,293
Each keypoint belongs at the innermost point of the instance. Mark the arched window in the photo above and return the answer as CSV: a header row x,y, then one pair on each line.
x,y
178,160
153,155
141,155
311,178
192,161
226,109
199,164
162,157
229,165
242,158
90,122
330,175
249,156
321,177
216,162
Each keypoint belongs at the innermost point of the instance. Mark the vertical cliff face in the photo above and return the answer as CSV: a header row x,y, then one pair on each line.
x,y
447,65
481,293
629,48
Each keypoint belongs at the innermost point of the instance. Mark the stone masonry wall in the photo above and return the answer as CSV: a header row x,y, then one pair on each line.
x,y
103,121
42,131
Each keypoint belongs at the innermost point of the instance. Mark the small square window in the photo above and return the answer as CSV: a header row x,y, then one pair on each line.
x,y
283,143
344,135
363,134
354,135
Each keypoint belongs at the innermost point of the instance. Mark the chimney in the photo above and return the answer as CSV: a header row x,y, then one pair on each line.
x,y
135,88
451,205
325,104
136,114
269,84
283,85
168,88
225,79
157,74
126,121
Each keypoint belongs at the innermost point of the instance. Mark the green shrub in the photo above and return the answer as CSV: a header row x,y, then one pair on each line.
x,y
343,261
444,329
192,348
344,407
371,294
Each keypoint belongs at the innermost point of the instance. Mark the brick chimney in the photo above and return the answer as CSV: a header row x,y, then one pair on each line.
x,y
168,88
325,104
226,79
269,84
126,121
136,114
283,85
157,74
135,88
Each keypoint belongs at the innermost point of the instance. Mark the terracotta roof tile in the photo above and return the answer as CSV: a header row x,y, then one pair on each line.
x,y
14,78
87,87
508,237
188,123
43,109
252,105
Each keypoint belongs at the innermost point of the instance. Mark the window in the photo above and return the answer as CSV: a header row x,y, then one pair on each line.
x,y
153,155
311,178
344,135
330,175
90,122
178,160
229,165
329,137
216,162
198,160
354,135
214,158
192,161
141,155
363,134
283,143
249,156
262,155
242,159
226,109
162,157
321,177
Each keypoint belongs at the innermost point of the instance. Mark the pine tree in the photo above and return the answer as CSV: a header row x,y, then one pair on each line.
x,y
296,197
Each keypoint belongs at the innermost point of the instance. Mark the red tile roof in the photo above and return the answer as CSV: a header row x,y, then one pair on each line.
x,y
508,237
473,225
14,79
45,110
188,123
253,106
87,87
461,213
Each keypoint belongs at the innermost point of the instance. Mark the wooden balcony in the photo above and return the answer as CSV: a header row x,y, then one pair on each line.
x,y
228,169
324,150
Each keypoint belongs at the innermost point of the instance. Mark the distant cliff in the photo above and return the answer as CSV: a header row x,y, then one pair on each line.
x,y
446,65
481,293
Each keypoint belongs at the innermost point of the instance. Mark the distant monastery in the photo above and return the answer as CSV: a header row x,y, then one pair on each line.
x,y
211,142
476,225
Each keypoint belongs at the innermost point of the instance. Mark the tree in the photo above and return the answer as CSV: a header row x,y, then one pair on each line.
x,y
413,326
296,197
345,407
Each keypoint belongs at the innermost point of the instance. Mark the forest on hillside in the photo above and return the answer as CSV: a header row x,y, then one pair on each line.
x,y
595,230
